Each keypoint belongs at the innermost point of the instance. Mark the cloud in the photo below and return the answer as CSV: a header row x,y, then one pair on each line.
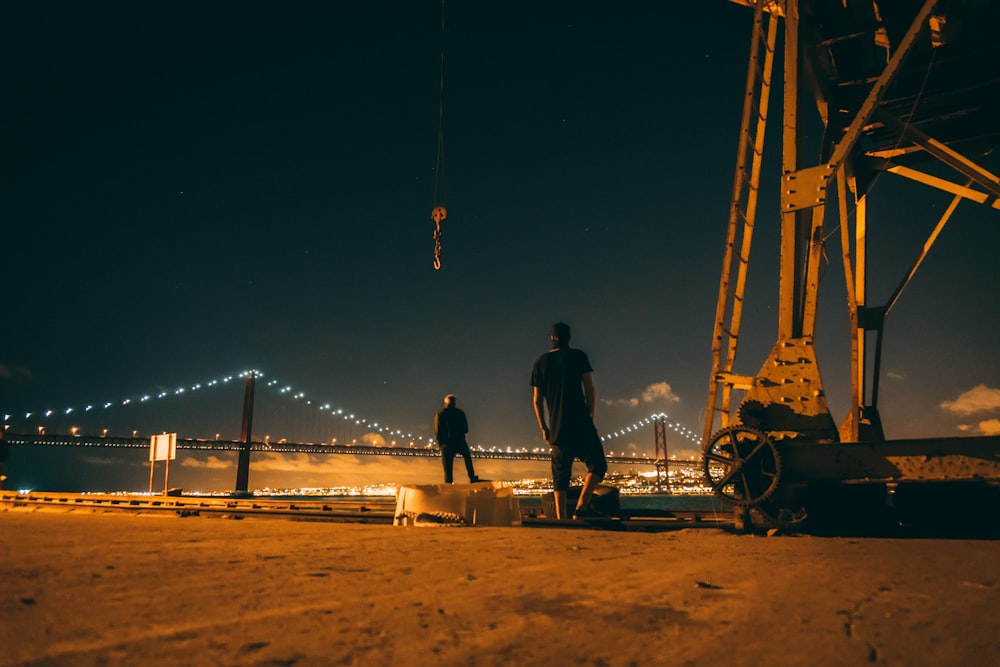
x,y
658,391
986,427
210,463
990,427
894,375
303,463
978,399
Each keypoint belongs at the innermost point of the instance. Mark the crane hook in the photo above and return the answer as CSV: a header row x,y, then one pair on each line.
x,y
438,215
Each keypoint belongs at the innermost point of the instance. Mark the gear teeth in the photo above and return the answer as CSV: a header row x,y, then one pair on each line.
x,y
748,459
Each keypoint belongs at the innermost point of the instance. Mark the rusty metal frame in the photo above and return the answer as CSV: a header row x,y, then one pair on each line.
x,y
789,384
742,217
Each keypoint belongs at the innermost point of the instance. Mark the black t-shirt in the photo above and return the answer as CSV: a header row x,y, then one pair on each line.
x,y
450,426
559,376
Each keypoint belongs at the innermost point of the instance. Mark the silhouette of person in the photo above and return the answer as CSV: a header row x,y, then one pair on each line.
x,y
450,427
563,382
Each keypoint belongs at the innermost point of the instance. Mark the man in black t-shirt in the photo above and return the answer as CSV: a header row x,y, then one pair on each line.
x,y
563,382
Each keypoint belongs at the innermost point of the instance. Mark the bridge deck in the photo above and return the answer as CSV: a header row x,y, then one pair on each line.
x,y
17,439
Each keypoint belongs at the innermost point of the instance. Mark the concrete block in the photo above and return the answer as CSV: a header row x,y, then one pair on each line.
x,y
479,504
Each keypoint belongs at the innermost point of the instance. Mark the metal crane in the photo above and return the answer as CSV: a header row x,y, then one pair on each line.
x,y
894,85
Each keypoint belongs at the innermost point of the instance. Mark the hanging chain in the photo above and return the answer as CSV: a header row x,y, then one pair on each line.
x,y
439,213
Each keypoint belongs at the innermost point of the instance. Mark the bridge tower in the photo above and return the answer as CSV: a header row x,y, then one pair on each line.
x,y
243,462
662,463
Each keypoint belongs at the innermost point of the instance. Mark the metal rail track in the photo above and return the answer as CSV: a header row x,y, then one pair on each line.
x,y
377,512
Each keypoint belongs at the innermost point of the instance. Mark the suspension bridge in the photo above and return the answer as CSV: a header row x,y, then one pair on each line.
x,y
196,412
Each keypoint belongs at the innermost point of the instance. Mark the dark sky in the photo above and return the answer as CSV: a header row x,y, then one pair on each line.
x,y
193,189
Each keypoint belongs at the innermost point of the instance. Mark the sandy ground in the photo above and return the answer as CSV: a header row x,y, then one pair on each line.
x,y
87,588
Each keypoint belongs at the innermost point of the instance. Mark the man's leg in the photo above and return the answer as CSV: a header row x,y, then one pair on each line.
x,y
590,484
597,467
560,500
467,455
447,459
562,468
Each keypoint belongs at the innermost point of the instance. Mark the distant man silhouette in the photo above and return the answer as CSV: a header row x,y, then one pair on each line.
x,y
563,382
450,427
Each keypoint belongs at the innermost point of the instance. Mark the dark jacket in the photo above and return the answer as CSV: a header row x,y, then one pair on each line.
x,y
450,426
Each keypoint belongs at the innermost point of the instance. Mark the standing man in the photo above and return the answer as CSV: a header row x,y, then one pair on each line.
x,y
562,380
450,427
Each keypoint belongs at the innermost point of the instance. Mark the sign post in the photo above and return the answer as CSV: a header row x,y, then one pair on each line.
x,y
162,447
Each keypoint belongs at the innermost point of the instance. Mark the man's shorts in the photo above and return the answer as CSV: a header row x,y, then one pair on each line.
x,y
588,449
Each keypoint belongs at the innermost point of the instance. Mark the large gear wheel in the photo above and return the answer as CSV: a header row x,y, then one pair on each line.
x,y
742,465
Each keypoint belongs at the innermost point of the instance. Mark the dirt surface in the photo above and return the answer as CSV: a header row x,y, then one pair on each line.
x,y
88,588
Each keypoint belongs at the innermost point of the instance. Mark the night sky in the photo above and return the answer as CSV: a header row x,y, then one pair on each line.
x,y
191,189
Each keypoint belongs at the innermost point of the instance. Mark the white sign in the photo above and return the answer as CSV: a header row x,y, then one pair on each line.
x,y
163,447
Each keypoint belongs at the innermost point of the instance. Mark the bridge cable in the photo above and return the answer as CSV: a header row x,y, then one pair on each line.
x,y
439,213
